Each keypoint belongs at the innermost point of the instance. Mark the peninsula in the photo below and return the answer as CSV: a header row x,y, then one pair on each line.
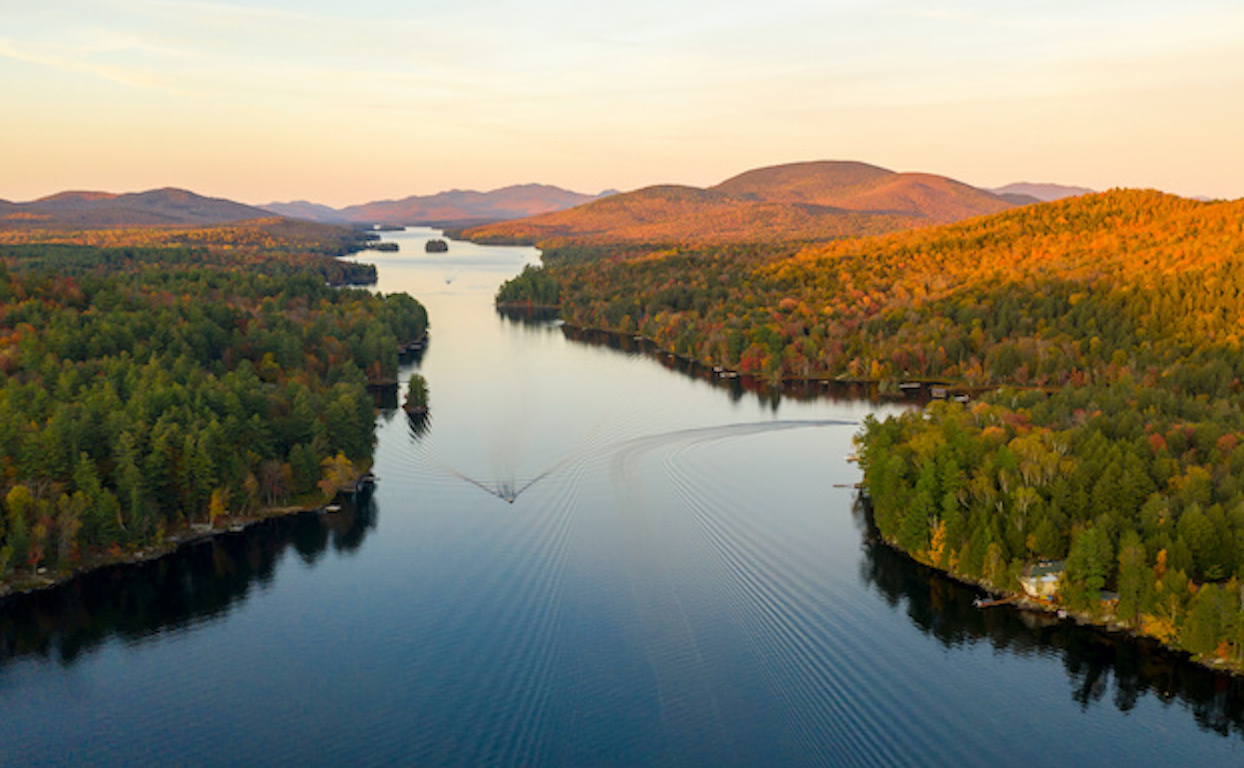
x,y
161,382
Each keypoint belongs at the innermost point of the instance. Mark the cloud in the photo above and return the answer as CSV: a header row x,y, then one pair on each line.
x,y
70,60
468,80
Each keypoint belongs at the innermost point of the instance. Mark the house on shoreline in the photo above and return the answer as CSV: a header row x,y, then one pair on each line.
x,y
1040,580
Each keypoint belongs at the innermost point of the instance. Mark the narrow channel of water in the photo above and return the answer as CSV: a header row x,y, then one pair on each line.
x,y
585,556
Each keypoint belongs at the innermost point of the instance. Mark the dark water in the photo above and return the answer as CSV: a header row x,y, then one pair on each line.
x,y
585,556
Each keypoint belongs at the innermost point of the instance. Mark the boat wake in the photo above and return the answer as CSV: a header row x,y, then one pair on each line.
x,y
510,489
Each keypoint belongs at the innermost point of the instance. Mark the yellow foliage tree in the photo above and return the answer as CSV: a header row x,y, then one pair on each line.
x,y
340,474
937,546
218,506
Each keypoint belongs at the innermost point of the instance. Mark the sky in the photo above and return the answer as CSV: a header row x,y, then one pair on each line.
x,y
343,103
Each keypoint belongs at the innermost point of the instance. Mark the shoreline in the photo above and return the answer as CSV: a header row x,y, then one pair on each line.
x,y
884,386
194,533
1102,625
524,306
1106,625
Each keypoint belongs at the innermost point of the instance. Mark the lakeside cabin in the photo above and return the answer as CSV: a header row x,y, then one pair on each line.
x,y
1040,580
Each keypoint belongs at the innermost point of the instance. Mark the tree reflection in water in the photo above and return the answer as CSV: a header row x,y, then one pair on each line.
x,y
1092,658
207,579
195,583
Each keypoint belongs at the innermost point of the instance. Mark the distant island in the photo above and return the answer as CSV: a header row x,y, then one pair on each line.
x,y
436,245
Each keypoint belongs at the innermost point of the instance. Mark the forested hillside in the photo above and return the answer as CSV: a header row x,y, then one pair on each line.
x,y
268,236
1066,292
146,389
1117,320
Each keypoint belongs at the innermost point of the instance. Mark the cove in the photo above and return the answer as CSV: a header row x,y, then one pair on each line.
x,y
584,556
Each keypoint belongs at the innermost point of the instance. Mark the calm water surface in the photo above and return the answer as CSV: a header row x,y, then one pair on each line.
x,y
582,558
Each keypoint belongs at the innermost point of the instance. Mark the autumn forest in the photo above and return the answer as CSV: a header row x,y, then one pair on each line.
x,y
1100,337
159,379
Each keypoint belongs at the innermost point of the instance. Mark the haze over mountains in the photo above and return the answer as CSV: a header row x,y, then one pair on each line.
x,y
798,201
454,208
1024,193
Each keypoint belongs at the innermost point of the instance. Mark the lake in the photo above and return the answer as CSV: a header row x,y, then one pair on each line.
x,y
586,555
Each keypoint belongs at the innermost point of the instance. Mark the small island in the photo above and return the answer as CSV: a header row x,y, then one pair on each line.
x,y
436,245
416,405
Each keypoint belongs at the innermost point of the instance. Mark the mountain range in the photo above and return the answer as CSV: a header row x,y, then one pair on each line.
x,y
820,200
104,210
455,208
799,201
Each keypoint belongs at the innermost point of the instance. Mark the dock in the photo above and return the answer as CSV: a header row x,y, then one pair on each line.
x,y
990,602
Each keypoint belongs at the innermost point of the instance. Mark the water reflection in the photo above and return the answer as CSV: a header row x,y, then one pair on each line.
x,y
1101,667
420,424
769,392
530,316
193,584
207,579
736,386
384,396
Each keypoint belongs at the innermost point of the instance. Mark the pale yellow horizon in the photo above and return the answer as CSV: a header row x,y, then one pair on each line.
x,y
281,100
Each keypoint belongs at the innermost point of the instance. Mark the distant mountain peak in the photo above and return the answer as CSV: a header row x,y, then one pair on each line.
x,y
452,207
76,196
168,206
1043,192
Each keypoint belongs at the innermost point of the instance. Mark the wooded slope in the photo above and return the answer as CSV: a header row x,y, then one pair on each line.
x,y
1017,297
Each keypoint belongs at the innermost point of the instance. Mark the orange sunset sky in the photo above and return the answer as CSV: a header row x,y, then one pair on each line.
x,y
348,102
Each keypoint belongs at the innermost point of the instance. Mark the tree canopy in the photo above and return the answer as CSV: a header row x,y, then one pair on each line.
x,y
144,389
